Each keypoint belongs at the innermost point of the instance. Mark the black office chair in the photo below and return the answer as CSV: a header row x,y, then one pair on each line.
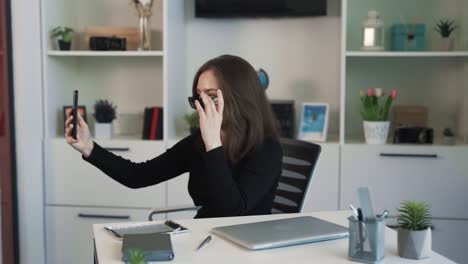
x,y
299,161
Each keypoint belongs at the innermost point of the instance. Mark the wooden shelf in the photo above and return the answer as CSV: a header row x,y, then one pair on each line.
x,y
85,53
406,54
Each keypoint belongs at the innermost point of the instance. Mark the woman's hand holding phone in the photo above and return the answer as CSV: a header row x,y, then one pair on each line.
x,y
84,143
210,119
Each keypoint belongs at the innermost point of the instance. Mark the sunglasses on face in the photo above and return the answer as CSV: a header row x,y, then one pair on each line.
x,y
192,99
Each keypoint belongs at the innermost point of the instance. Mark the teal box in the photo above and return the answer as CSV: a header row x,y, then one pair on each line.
x,y
408,37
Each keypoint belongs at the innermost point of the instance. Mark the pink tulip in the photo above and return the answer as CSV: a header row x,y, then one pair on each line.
x,y
393,94
370,92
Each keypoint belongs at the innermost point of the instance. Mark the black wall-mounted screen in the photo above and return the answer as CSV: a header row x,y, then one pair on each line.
x,y
260,8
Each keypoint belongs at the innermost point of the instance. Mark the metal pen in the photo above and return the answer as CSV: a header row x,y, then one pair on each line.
x,y
206,241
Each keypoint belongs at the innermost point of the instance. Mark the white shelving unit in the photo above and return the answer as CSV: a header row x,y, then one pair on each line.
x,y
105,53
75,191
429,54
437,80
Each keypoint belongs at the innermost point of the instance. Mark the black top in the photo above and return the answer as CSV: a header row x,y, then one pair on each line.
x,y
248,188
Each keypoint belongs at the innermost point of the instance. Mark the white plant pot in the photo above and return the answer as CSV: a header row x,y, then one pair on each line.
x,y
376,132
414,244
446,44
103,130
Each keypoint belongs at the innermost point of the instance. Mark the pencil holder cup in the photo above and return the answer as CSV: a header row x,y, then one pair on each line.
x,y
366,240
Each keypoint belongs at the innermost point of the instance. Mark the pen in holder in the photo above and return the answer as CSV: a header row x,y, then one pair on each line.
x,y
366,240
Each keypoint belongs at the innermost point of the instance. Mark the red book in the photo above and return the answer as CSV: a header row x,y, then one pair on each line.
x,y
154,123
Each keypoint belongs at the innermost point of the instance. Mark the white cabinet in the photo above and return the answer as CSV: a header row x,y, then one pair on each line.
x,y
69,233
73,181
323,190
439,176
450,238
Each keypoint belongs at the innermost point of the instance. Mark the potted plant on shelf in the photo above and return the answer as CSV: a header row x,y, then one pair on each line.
x,y
192,121
64,36
414,230
105,113
375,114
136,256
445,29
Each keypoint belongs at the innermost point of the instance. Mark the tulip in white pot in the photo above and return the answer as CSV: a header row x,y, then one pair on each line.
x,y
105,113
414,230
375,114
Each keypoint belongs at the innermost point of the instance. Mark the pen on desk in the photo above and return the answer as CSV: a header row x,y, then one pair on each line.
x,y
206,241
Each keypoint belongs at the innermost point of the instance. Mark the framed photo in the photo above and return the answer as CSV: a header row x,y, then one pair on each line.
x,y
314,122
67,109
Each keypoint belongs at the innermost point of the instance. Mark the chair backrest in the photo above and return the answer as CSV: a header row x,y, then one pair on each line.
x,y
299,161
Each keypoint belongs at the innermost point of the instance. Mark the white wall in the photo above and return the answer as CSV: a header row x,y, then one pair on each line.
x,y
301,55
29,128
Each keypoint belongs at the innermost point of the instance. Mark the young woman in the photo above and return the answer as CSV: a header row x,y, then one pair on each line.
x,y
234,160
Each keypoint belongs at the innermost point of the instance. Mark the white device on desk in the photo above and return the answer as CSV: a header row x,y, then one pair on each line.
x,y
282,232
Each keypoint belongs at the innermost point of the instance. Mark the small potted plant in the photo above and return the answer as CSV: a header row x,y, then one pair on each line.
x,y
64,36
192,121
375,109
414,230
136,256
449,137
104,113
445,29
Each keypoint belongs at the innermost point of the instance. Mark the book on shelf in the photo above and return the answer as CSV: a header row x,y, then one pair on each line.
x,y
153,123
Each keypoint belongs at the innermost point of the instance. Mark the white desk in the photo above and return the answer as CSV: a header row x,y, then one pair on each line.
x,y
222,251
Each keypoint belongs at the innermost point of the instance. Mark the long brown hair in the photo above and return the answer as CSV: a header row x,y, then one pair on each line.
x,y
247,118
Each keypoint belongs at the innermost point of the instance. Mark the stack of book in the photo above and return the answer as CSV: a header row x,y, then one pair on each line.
x,y
153,123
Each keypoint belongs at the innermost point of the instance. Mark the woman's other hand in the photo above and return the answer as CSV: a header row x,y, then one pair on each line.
x,y
84,143
211,119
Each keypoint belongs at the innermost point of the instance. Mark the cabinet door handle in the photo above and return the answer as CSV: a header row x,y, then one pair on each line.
x,y
118,149
403,155
99,216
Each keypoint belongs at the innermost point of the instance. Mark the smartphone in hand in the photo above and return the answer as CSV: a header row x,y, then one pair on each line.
x,y
75,114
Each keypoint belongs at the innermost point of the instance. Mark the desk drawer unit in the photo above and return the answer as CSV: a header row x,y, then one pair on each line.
x,y
436,175
69,231
72,181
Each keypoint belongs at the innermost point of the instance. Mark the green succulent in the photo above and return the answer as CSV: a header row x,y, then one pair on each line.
x,y
414,216
136,256
64,33
445,27
192,119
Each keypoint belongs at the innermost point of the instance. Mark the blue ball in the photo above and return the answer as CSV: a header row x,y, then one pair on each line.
x,y
264,79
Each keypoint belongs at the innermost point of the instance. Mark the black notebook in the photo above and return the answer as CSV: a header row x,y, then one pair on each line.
x,y
155,247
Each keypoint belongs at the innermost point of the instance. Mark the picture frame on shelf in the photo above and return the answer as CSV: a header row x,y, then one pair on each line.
x,y
67,109
314,122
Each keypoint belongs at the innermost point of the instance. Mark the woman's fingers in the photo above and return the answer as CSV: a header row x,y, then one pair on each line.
x,y
81,121
69,120
206,102
220,101
201,112
212,105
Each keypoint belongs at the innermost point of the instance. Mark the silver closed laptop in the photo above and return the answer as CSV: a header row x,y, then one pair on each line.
x,y
282,232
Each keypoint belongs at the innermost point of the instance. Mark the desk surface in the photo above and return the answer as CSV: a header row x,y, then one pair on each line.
x,y
222,251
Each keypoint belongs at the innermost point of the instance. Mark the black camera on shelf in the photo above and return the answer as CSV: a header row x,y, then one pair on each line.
x,y
108,43
413,135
